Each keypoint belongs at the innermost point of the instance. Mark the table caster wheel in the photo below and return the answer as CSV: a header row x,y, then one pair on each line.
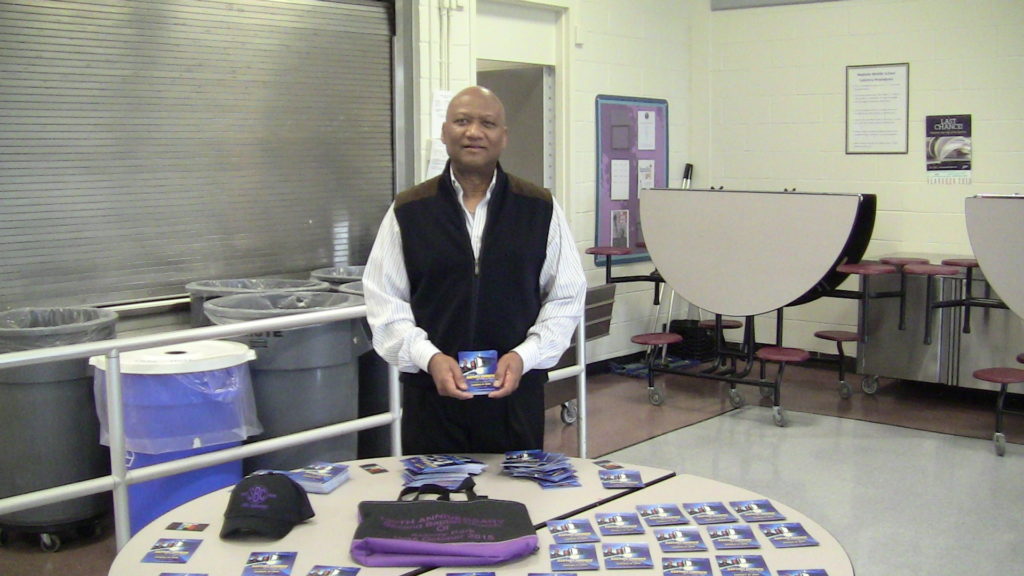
x,y
735,398
844,390
655,396
778,416
49,542
767,391
869,384
1000,441
570,412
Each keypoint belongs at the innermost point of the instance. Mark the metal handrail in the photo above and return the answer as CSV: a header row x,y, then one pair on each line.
x,y
121,478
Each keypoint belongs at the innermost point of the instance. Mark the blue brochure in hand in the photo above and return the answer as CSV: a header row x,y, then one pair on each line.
x,y
478,368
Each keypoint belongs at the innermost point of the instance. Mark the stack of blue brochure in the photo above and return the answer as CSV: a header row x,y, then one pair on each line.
x,y
316,478
549,469
446,470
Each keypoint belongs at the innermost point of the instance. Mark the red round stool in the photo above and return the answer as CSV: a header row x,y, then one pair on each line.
x,y
968,264
929,271
608,252
840,336
727,324
782,356
654,341
866,270
1004,377
901,261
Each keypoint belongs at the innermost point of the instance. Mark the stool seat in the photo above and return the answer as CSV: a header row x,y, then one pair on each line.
x,y
657,338
782,354
866,268
1000,375
931,270
903,261
1004,377
961,262
609,250
838,335
727,324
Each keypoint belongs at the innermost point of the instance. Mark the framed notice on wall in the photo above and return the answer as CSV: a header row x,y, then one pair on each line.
x,y
877,108
632,154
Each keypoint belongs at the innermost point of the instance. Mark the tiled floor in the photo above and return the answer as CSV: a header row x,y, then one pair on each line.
x,y
901,500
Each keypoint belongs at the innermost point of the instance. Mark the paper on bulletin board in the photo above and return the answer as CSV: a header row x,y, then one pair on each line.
x,y
646,130
644,174
948,149
620,180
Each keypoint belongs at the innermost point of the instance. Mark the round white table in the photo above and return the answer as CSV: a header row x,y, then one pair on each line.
x,y
325,539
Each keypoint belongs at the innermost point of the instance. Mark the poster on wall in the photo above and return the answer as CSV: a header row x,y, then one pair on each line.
x,y
877,108
632,154
947,145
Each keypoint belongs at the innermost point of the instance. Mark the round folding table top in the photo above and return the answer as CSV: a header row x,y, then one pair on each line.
x,y
996,234
745,253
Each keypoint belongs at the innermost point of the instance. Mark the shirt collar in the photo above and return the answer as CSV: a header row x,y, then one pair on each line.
x,y
460,193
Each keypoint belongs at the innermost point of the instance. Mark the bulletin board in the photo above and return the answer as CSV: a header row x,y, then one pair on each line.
x,y
632,154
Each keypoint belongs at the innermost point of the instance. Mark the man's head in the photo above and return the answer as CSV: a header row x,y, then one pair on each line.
x,y
474,131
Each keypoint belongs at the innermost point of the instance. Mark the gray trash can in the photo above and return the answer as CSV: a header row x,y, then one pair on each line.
x,y
48,419
354,288
302,378
338,275
203,290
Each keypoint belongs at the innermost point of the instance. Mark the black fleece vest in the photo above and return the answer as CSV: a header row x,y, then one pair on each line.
x,y
463,306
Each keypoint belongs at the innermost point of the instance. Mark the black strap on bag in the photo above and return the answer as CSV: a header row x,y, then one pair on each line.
x,y
442,493
416,531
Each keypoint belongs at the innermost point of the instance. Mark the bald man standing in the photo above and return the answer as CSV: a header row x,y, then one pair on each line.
x,y
474,259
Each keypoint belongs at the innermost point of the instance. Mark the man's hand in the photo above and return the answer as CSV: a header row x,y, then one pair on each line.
x,y
506,377
448,376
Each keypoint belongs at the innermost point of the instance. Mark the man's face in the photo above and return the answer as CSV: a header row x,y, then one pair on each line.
x,y
474,131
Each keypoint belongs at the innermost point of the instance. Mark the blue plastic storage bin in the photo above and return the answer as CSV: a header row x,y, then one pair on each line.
x,y
180,401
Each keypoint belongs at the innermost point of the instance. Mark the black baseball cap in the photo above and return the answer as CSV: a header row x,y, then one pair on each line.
x,y
268,505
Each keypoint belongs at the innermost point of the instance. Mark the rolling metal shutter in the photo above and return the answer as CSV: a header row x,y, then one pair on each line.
x,y
144,145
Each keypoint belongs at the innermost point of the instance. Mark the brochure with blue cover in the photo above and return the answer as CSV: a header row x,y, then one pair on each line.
x,y
672,566
661,514
626,555
320,477
757,511
680,539
573,557
620,478
321,570
572,530
708,512
269,564
745,565
478,368
617,523
787,535
733,536
171,551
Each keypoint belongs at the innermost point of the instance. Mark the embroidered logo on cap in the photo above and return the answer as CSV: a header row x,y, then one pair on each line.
x,y
257,497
